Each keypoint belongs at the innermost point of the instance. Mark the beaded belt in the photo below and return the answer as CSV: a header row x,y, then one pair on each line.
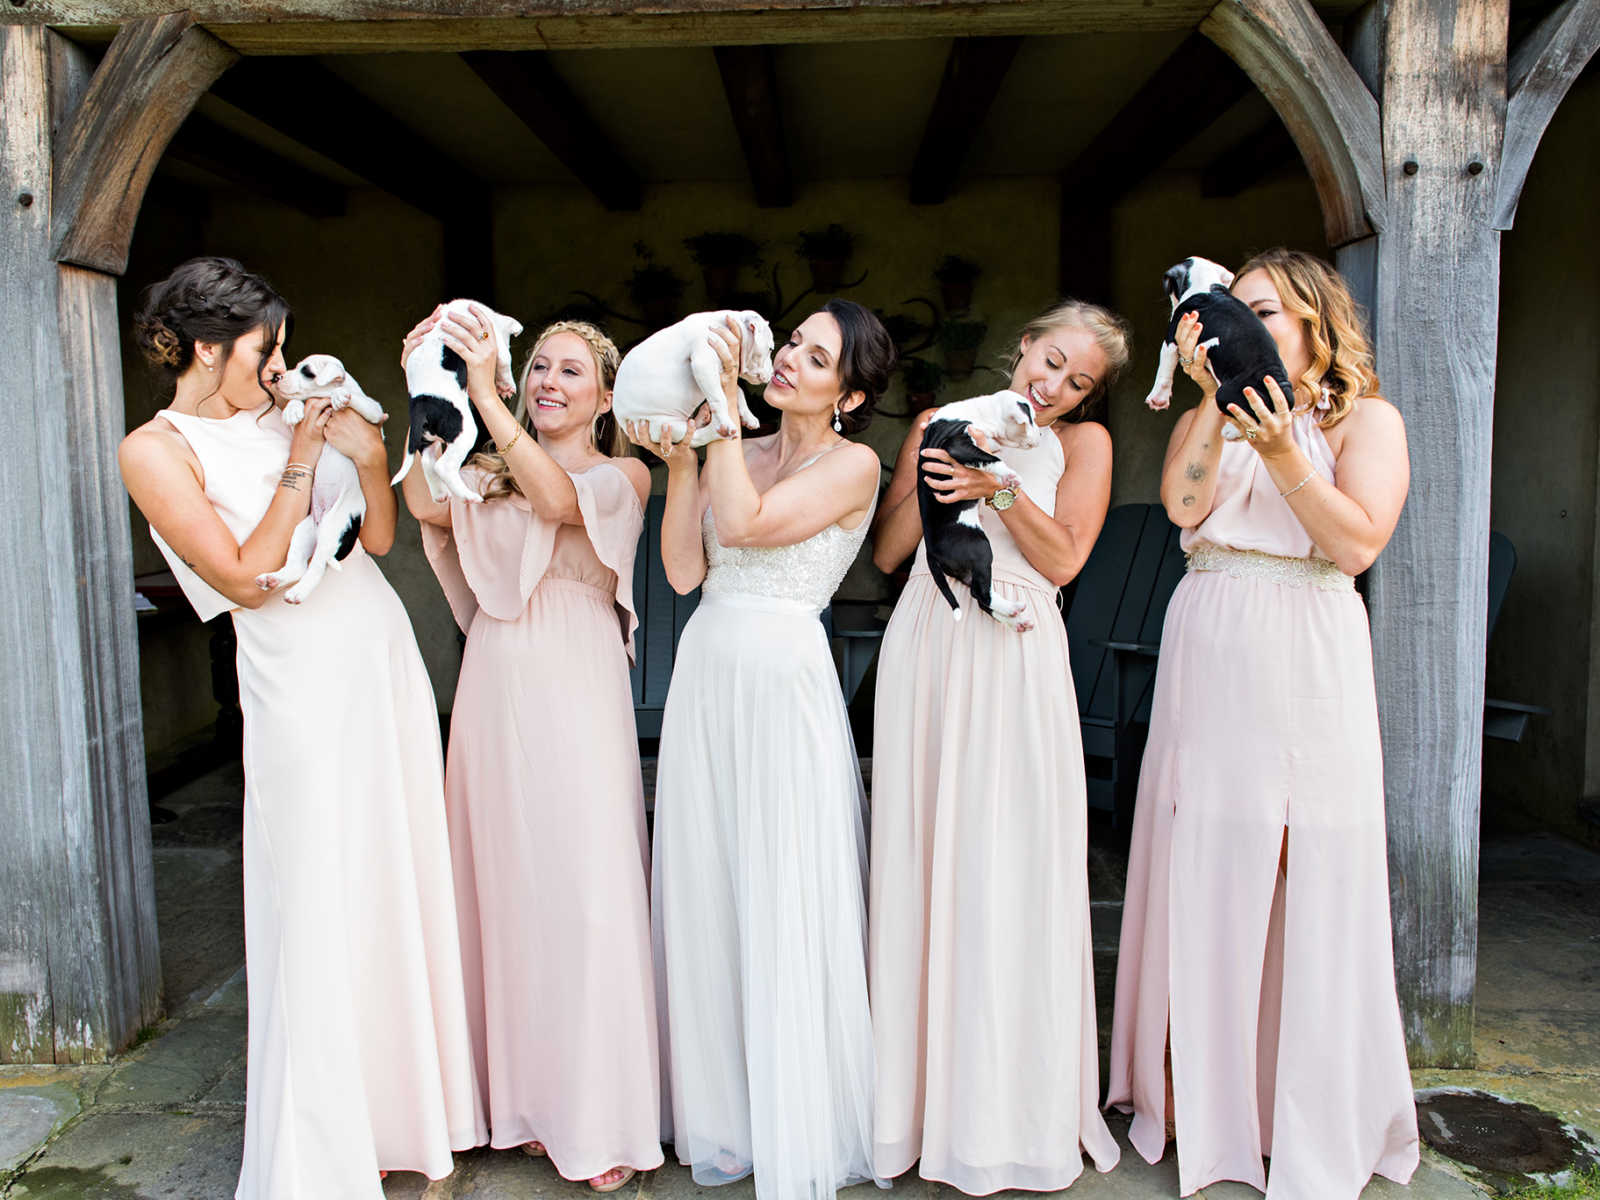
x,y
1255,564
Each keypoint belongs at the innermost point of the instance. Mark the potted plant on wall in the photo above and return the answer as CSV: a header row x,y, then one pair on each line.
x,y
923,378
955,277
720,255
960,341
655,292
827,251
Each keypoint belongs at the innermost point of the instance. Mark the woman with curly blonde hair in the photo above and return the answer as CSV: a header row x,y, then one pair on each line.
x,y
1256,1012
542,784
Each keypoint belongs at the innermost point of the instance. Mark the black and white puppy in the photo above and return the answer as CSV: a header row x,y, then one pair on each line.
x,y
957,547
1240,353
328,533
444,428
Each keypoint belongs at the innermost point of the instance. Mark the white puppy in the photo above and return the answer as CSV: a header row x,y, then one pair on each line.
x,y
669,375
443,427
329,532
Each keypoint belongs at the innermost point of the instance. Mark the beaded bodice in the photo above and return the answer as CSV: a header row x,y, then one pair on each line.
x,y
808,572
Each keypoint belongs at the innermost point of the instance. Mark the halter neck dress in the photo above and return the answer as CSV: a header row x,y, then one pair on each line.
x,y
981,959
358,1055
1278,991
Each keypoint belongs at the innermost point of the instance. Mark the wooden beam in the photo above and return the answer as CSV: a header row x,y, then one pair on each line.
x,y
144,88
750,80
1190,90
354,27
1435,280
973,74
1541,70
311,105
218,151
1284,46
541,100
1246,163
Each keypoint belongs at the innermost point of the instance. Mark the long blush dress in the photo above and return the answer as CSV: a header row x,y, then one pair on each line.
x,y
547,824
981,962
760,864
358,1052
1278,990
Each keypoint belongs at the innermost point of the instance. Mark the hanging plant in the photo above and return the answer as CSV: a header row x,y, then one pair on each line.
x,y
960,341
827,251
721,255
955,277
923,379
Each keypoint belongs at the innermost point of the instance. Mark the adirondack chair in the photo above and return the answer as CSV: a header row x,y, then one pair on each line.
x,y
853,627
1504,719
1114,635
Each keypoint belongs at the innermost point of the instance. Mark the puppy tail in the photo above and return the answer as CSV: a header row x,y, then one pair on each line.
x,y
405,466
943,585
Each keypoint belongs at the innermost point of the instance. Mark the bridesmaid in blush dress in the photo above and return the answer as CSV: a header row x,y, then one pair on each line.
x,y
1255,928
358,1053
760,857
981,963
542,781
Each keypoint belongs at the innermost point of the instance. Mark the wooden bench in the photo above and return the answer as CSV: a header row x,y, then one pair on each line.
x,y
1114,634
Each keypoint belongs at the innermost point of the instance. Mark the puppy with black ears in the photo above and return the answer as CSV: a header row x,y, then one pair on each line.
x,y
957,547
1240,352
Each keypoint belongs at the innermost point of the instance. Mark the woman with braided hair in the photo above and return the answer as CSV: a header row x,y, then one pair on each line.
x,y
358,1059
543,787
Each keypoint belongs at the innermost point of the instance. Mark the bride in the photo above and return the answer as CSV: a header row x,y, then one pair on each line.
x,y
760,854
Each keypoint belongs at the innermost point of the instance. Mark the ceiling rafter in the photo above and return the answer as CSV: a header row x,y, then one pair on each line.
x,y
750,79
973,74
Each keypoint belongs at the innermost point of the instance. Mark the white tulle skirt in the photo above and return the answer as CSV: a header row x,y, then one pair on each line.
x,y
758,907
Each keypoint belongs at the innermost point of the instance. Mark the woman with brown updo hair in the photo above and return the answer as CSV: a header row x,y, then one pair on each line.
x,y
542,783
1256,1013
359,1058
983,1010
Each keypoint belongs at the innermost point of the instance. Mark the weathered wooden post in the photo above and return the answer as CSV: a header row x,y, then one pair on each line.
x,y
1415,195
79,967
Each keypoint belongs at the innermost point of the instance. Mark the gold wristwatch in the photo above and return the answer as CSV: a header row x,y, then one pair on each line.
x,y
1003,499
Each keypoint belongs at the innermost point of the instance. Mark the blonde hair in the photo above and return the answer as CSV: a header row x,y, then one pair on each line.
x,y
605,434
1111,333
1341,357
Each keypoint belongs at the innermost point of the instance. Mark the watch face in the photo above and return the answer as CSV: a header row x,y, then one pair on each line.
x,y
1003,499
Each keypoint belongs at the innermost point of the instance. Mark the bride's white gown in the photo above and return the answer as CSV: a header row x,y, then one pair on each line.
x,y
759,874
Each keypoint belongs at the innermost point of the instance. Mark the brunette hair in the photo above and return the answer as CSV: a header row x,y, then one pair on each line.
x,y
1111,333
1342,365
866,359
606,433
206,299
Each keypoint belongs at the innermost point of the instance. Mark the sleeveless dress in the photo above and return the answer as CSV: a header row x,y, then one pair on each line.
x,y
547,825
981,960
1285,1028
760,864
358,1052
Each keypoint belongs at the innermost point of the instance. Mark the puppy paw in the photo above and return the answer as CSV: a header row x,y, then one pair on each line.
x,y
1159,399
1012,480
293,413
267,582
506,390
1023,626
296,594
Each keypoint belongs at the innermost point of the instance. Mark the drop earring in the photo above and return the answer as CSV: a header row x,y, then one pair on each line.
x,y
838,426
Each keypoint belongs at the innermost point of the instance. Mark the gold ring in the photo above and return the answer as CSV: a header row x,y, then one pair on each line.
x,y
1250,434
483,336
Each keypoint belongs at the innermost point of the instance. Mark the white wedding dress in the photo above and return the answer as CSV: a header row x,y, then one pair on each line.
x,y
759,873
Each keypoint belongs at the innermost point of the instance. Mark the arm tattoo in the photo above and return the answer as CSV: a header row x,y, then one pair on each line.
x,y
294,479
1195,472
1188,501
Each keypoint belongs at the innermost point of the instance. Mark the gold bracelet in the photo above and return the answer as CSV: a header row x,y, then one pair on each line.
x,y
1309,477
506,449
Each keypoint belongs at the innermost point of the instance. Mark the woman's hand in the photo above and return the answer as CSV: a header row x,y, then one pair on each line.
x,y
1269,434
472,336
671,453
952,482
357,438
414,339
1192,355
726,340
305,444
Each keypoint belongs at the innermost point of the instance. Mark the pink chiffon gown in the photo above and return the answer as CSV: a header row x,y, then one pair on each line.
x,y
980,958
547,824
1278,990
358,1056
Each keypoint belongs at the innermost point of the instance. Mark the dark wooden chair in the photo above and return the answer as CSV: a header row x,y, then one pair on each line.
x,y
1114,634
1505,720
853,628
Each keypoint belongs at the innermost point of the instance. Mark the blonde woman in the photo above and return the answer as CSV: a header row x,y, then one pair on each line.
x,y
1255,929
542,785
978,936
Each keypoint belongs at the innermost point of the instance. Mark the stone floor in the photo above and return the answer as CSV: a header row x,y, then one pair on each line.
x,y
165,1119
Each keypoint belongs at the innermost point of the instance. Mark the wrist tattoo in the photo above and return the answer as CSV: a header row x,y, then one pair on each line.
x,y
1195,472
294,478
